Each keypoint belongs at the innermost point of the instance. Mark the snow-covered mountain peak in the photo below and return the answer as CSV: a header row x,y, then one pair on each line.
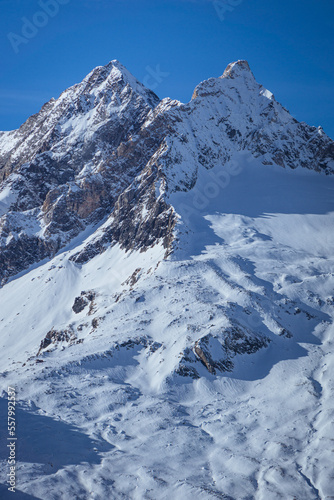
x,y
236,69
237,77
116,77
66,162
106,94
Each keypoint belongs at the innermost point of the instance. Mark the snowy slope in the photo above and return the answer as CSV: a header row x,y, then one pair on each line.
x,y
202,372
262,430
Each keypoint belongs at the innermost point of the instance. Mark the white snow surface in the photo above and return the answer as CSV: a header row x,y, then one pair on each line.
x,y
108,415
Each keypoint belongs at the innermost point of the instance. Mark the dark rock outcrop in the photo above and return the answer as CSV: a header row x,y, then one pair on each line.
x,y
81,302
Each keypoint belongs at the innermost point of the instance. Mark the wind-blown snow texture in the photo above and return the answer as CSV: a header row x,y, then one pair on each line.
x,y
167,294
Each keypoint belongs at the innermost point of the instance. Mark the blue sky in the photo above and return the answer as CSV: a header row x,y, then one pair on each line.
x,y
289,46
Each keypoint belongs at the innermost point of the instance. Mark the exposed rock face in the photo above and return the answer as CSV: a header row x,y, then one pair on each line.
x,y
54,337
81,302
216,353
109,153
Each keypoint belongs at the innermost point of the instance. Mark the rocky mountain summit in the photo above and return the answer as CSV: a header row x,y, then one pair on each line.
x,y
108,152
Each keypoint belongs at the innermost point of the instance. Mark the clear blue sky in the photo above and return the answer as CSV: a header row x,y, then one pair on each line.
x,y
288,44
